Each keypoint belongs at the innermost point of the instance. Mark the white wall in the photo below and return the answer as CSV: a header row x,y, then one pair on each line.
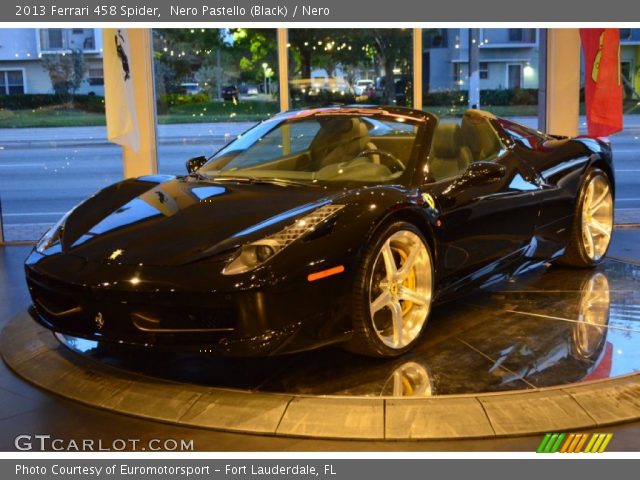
x,y
18,43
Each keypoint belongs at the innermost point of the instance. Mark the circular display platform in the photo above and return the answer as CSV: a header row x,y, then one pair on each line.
x,y
552,350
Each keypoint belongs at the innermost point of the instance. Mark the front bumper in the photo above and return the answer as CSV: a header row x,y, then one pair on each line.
x,y
187,307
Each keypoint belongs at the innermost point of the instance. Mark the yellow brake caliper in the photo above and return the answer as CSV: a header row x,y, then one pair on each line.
x,y
409,282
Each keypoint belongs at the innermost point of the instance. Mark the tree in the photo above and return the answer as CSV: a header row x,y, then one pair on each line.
x,y
251,48
180,53
66,72
214,74
387,49
392,49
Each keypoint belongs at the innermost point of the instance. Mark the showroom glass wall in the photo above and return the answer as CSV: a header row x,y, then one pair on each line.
x,y
53,146
368,66
491,69
211,85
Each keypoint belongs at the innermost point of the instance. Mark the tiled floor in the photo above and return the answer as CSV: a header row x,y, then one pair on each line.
x,y
26,410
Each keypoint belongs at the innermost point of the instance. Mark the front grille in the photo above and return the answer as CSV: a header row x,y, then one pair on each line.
x,y
136,316
150,319
53,303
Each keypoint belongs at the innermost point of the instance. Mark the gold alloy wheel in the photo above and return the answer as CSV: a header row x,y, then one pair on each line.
x,y
400,289
593,317
597,218
408,380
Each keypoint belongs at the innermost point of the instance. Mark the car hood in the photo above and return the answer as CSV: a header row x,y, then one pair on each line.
x,y
181,220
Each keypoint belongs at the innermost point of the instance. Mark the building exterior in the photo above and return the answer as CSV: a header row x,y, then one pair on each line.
x,y
509,58
22,50
630,61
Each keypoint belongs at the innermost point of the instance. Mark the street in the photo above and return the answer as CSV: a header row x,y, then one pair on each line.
x,y
46,171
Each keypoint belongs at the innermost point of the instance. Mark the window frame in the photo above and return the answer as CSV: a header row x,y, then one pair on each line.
x,y
483,70
4,72
486,44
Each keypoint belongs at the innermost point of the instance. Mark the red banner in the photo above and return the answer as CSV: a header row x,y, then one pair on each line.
x,y
602,80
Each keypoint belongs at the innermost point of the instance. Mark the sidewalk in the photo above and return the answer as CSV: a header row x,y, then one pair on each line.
x,y
79,136
172,134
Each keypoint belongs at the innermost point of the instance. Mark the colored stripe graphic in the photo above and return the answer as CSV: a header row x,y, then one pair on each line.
x,y
556,445
590,444
582,442
543,443
606,442
574,443
565,446
551,443
600,443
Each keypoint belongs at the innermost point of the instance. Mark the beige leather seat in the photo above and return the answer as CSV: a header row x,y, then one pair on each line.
x,y
449,156
340,140
479,136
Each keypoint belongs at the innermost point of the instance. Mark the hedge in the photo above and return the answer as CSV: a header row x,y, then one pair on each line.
x,y
514,96
88,103
94,103
184,98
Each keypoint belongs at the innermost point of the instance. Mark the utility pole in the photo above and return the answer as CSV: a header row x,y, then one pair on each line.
x,y
474,68
218,74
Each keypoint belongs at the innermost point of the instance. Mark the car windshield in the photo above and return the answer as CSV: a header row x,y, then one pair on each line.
x,y
323,149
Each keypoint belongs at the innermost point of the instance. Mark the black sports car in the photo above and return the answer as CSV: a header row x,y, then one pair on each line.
x,y
339,224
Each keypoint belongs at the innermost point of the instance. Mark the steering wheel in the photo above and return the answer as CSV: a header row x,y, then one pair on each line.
x,y
395,161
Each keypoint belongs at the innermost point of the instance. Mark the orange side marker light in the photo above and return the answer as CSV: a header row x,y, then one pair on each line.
x,y
325,273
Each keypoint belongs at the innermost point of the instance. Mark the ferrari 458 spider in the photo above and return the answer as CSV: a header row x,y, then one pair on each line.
x,y
338,224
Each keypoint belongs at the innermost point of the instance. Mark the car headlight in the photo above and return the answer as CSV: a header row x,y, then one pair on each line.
x,y
52,236
254,254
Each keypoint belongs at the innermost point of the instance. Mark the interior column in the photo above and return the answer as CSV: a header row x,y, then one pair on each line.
x,y
283,69
563,81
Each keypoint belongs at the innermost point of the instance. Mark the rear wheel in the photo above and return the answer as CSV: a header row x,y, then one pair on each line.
x,y
392,297
593,222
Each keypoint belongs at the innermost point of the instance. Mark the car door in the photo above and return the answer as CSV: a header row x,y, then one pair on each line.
x,y
488,211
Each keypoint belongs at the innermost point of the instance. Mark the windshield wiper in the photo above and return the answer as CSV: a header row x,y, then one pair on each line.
x,y
261,180
199,176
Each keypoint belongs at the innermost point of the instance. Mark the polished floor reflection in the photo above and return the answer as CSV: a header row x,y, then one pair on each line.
x,y
548,327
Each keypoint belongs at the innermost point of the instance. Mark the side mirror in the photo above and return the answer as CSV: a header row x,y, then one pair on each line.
x,y
483,173
195,163
476,175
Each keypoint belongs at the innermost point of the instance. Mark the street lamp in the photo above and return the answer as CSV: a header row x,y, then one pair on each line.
x,y
265,66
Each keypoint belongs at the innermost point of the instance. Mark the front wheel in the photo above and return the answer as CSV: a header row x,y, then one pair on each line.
x,y
392,295
593,222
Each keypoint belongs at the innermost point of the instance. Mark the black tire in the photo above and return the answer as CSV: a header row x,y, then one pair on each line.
x,y
365,340
576,254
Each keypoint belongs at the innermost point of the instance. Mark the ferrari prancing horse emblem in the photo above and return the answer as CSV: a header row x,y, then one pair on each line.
x,y
99,321
429,200
116,253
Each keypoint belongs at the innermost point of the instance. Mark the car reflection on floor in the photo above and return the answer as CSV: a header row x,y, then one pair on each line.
x,y
548,327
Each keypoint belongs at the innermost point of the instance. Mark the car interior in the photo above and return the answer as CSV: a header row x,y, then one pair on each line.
x,y
456,145
329,148
359,148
